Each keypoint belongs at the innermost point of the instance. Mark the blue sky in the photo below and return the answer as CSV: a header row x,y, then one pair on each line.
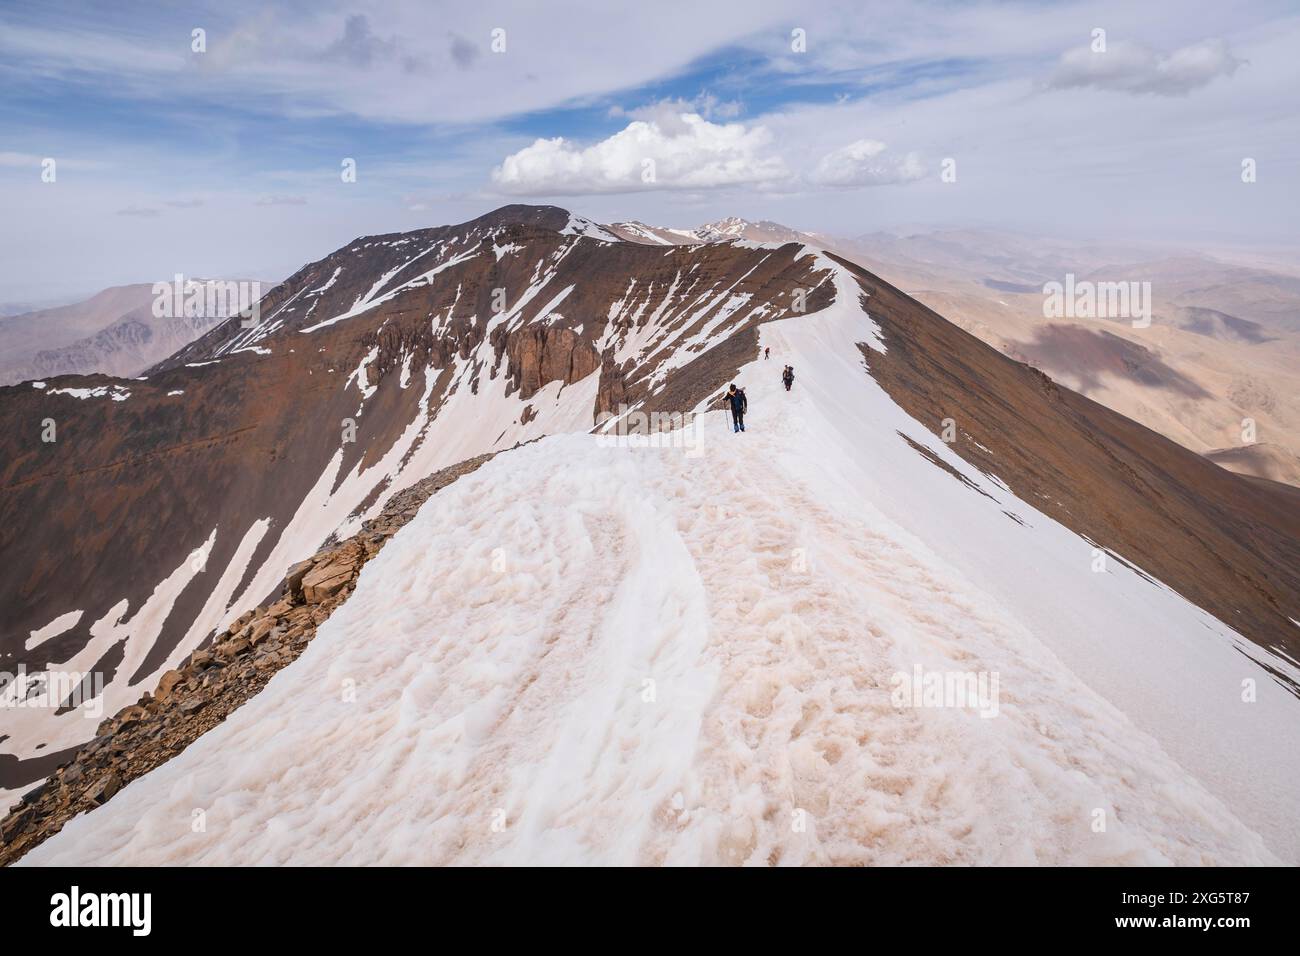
x,y
226,161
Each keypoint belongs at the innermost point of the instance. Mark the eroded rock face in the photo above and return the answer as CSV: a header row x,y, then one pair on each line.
x,y
214,682
613,390
540,354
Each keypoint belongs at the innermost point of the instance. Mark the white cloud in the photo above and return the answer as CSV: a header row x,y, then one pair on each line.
x,y
673,151
862,163
667,111
1130,68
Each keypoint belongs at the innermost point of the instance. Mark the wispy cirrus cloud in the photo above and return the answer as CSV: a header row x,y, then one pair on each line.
x,y
327,60
15,160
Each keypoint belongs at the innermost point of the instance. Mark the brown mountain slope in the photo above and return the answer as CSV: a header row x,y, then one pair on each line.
x,y
1229,544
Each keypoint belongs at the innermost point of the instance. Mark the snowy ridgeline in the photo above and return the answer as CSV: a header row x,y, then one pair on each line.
x,y
592,654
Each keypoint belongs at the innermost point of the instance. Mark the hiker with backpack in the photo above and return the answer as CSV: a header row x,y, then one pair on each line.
x,y
736,399
788,377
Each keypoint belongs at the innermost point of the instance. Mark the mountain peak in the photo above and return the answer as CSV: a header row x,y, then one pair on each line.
x,y
524,214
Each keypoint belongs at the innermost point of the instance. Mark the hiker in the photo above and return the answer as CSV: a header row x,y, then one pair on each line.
x,y
767,353
738,402
788,377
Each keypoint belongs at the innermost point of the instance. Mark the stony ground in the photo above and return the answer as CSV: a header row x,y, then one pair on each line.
x,y
214,681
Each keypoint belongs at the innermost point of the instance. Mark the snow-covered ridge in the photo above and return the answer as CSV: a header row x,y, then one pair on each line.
x,y
717,685
578,226
455,410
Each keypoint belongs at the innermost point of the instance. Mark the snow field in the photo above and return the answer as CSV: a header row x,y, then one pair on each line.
x,y
499,650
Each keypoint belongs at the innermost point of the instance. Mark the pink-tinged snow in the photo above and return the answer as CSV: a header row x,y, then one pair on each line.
x,y
585,654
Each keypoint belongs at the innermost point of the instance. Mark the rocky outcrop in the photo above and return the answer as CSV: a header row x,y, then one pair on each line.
x,y
540,354
611,392
215,681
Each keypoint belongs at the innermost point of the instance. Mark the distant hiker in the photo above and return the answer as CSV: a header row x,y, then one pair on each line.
x,y
767,353
738,402
788,377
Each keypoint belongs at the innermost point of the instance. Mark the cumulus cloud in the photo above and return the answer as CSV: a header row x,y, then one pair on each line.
x,y
671,151
1130,68
864,163
281,201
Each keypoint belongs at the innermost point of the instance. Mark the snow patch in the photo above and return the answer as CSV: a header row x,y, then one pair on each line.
x,y
116,392
60,625
586,229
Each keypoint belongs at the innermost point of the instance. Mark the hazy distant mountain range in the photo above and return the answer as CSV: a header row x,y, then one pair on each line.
x,y
114,332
